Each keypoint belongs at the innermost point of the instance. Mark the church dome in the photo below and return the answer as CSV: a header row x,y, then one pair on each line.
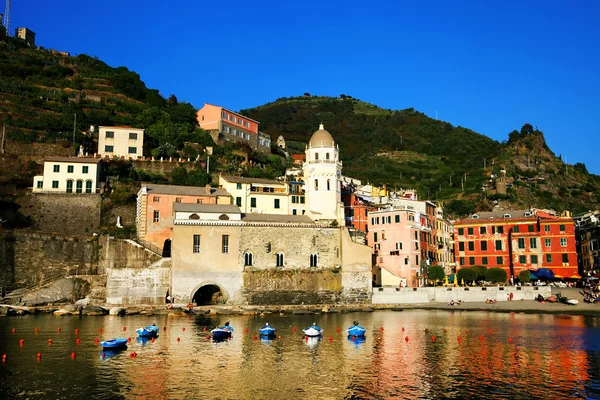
x,y
321,138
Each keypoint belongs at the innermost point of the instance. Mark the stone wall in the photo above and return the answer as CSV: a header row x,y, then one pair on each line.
x,y
126,212
64,213
37,151
149,285
292,287
161,167
40,257
390,295
7,265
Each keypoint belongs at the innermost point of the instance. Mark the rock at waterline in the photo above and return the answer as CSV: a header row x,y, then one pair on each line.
x,y
94,310
117,311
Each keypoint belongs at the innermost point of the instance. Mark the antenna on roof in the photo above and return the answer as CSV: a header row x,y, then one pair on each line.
x,y
7,18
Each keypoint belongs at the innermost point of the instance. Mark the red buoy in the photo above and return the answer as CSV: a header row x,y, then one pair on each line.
x,y
255,337
21,342
77,331
246,330
445,330
458,338
39,355
165,329
130,355
77,341
337,329
152,340
14,330
124,328
128,340
207,337
426,330
3,357
433,338
59,329
36,330
480,337
204,329
294,329
96,340
382,329
102,354
406,338
179,339
49,341
306,338
331,338
509,340
467,331
73,355
100,330
491,331
402,329
183,329
278,337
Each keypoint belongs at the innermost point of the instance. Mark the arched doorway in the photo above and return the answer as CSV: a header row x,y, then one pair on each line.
x,y
209,294
167,249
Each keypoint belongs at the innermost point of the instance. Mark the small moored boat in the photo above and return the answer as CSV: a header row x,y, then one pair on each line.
x,y
222,333
313,331
267,330
150,330
356,330
114,344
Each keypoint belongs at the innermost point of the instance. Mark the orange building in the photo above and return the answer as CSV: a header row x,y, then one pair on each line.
x,y
356,211
516,241
154,218
226,125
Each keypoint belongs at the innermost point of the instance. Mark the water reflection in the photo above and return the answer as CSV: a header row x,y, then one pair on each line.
x,y
497,356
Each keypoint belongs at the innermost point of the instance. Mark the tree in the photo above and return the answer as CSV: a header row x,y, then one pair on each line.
x,y
480,270
195,177
526,129
435,273
496,275
524,276
468,274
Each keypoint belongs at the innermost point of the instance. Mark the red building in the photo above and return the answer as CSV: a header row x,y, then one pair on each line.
x,y
516,241
356,211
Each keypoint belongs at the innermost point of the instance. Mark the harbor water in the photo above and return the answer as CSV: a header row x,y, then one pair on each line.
x,y
410,354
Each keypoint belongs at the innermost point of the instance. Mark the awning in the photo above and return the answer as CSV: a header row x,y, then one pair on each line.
x,y
558,276
532,276
575,276
544,273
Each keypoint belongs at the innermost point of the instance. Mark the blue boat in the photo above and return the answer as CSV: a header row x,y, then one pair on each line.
x,y
267,331
149,331
313,331
114,344
222,333
357,340
356,330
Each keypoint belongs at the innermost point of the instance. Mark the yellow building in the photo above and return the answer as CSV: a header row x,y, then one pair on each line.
x,y
121,141
254,195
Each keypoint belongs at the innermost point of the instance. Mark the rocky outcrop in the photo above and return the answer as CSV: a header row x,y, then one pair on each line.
x,y
67,290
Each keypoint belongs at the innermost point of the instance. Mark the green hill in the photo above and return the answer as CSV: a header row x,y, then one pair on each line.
x,y
405,148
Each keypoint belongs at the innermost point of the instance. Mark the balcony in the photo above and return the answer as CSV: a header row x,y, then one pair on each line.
x,y
324,162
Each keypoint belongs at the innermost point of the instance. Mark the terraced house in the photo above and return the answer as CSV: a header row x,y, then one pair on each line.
x,y
69,175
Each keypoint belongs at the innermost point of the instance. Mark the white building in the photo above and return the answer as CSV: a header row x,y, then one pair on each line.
x,y
256,195
69,175
322,175
121,141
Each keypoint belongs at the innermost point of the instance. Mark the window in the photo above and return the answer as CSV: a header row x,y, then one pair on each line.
x,y
56,168
294,212
521,243
462,261
156,216
196,248
316,184
484,260
534,259
374,236
253,202
548,258
547,242
314,260
238,201
239,121
397,219
399,246
40,184
383,221
133,135
177,199
316,156
389,219
411,217
416,245
327,156
70,169
328,184
516,229
231,118
79,186
493,230
225,128
276,203
484,246
156,199
248,259
88,186
461,231
499,260
471,246
416,260
225,244
69,186
471,260
461,246
132,150
109,135
533,243
198,201
109,149
500,229
279,260
470,231
562,228
563,242
498,244
546,228
523,259
482,230
530,228
84,170
565,258
301,199
238,186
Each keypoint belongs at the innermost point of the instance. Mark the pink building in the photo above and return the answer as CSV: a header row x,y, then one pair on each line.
x,y
395,237
226,125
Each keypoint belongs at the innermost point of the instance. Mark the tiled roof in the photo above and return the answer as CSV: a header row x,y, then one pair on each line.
x,y
84,160
184,190
207,208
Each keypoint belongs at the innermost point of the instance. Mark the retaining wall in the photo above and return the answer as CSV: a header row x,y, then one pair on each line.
x,y
392,295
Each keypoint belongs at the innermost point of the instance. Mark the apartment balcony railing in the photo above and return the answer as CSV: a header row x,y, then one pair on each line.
x,y
325,162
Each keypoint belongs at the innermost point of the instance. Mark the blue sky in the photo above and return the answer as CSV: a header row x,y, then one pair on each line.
x,y
487,65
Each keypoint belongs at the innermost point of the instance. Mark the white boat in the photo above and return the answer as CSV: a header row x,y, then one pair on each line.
x,y
313,331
